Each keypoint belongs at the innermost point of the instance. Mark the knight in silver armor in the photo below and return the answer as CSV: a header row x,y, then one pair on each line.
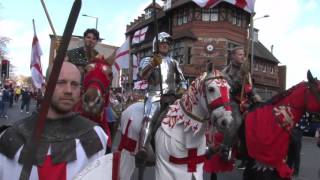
x,y
165,81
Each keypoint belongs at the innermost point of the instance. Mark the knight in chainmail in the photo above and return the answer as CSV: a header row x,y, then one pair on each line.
x,y
242,95
161,71
67,143
81,56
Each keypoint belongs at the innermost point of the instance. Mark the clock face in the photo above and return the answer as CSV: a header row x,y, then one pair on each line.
x,y
209,48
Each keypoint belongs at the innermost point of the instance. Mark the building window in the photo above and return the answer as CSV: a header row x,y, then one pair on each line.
x,y
177,51
205,14
214,14
271,70
183,16
180,17
148,13
256,67
238,18
190,14
264,68
197,14
223,14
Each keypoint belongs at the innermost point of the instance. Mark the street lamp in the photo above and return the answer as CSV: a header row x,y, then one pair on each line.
x,y
252,39
85,15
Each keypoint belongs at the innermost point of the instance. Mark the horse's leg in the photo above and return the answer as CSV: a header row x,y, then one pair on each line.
x,y
141,172
249,173
243,151
213,176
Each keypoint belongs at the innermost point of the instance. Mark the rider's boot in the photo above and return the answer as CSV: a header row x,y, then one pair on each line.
x,y
144,141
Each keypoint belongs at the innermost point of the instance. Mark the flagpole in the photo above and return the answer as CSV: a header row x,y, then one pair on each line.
x,y
130,77
34,27
48,17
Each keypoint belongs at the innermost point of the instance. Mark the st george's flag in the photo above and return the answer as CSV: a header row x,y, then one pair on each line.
x,y
35,65
247,5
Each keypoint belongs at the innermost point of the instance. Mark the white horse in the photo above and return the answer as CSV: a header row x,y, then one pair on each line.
x,y
180,142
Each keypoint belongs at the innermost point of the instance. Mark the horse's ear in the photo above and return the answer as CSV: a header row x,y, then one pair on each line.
x,y
310,78
210,67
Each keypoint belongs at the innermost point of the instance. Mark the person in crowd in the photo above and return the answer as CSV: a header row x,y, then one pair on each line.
x,y
26,96
11,95
81,56
68,142
4,102
39,97
17,93
294,150
172,82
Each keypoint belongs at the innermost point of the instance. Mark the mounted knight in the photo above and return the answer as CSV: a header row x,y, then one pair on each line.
x,y
166,83
242,94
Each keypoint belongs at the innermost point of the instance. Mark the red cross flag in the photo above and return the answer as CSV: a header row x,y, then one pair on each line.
x,y
140,85
35,65
247,5
122,55
139,35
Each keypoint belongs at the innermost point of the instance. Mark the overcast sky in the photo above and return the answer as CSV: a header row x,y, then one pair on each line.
x,y
293,28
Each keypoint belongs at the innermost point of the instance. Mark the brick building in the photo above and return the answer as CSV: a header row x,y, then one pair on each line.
x,y
206,35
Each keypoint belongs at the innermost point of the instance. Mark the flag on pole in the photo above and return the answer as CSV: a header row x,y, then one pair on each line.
x,y
35,65
122,55
139,35
247,5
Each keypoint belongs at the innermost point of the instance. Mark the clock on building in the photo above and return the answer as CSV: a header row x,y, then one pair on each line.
x,y
209,48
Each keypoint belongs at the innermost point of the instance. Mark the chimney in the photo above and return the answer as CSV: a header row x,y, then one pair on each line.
x,y
272,49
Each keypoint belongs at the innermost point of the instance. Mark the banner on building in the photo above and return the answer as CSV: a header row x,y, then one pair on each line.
x,y
139,35
247,5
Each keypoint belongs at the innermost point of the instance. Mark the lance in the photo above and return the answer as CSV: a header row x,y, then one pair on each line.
x,y
32,145
157,38
247,69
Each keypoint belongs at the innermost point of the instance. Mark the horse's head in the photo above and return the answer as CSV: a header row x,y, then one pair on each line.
x,y
208,98
216,91
96,84
313,98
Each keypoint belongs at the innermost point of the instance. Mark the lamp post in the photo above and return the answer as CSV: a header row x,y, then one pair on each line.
x,y
252,39
85,15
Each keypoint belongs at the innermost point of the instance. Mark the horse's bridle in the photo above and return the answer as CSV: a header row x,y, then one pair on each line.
x,y
218,102
105,90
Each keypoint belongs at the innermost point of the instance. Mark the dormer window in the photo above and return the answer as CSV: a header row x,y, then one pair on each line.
x,y
148,13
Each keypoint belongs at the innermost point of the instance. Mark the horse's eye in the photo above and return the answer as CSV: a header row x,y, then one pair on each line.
x,y
211,89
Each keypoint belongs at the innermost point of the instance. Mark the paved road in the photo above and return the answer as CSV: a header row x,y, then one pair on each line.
x,y
310,155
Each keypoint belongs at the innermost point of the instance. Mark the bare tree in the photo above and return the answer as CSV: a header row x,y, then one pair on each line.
x,y
3,45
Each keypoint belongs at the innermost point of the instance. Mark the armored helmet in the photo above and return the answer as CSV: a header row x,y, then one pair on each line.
x,y
162,37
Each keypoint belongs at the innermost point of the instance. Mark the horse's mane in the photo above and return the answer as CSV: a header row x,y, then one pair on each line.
x,y
275,99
